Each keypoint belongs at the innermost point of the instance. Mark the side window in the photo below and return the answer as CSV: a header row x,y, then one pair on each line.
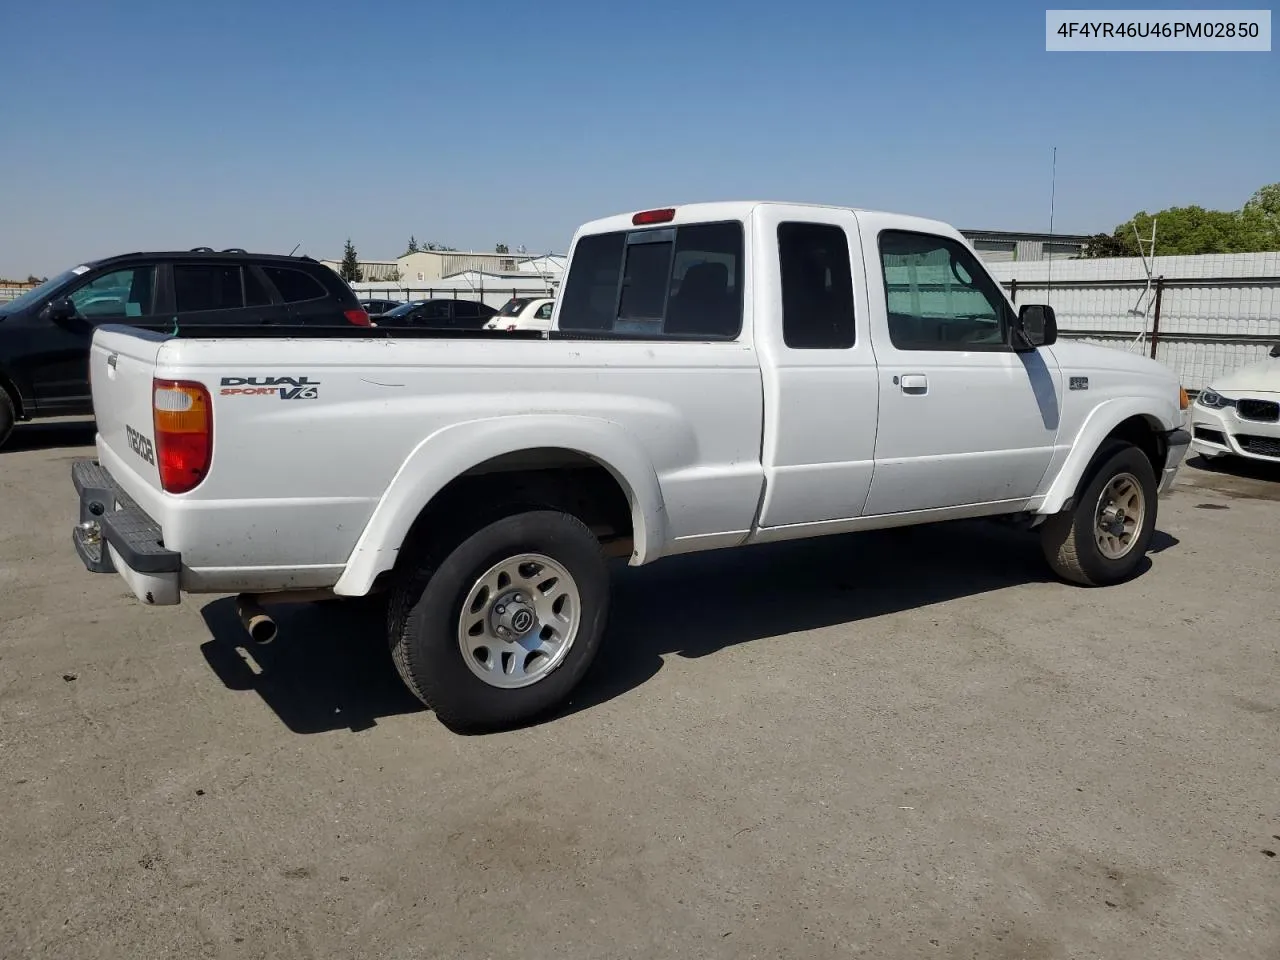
x,y
294,285
206,286
544,312
436,311
817,287
466,310
119,295
939,297
255,294
683,281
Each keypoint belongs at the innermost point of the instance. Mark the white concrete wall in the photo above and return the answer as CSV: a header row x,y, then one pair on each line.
x,y
1247,306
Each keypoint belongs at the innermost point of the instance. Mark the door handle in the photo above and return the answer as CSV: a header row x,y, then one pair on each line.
x,y
915,384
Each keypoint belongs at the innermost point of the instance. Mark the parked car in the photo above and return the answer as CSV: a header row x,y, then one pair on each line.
x,y
1240,414
438,315
523,313
376,308
767,372
45,333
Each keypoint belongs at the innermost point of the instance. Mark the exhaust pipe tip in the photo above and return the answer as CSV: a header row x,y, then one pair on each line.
x,y
256,621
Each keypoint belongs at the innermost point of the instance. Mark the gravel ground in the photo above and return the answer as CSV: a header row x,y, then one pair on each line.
x,y
912,744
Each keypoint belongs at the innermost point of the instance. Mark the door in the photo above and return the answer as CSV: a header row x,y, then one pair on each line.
x,y
964,419
466,315
818,366
432,315
211,294
57,355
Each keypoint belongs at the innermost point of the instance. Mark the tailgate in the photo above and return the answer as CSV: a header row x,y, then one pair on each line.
x,y
122,363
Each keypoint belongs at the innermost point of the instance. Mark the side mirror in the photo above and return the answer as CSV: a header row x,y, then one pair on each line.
x,y
63,312
60,310
1038,324
1275,351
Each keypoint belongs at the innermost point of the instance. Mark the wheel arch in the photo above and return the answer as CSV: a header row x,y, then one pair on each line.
x,y
1129,421
535,459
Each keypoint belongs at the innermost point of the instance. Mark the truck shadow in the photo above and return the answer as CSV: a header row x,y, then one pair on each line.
x,y
695,606
330,669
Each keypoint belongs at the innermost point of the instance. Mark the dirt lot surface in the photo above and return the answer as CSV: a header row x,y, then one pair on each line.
x,y
904,745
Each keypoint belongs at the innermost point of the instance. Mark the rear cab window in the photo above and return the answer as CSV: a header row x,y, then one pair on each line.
x,y
671,282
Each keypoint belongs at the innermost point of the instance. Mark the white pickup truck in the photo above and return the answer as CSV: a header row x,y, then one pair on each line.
x,y
716,375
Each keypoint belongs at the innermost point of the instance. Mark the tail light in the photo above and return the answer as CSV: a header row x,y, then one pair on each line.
x,y
1183,400
510,327
358,317
183,415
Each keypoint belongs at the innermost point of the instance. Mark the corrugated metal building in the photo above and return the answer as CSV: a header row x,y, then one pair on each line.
x,y
1002,246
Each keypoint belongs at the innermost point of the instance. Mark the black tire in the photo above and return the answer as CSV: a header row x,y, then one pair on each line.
x,y
8,416
1068,539
425,607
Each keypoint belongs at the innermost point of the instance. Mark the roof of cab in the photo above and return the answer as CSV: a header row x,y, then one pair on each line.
x,y
741,210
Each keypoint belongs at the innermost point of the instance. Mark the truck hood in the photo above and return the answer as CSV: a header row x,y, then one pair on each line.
x,y
1087,356
1263,377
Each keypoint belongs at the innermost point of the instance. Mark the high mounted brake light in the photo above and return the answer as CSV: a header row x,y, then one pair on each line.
x,y
644,217
183,417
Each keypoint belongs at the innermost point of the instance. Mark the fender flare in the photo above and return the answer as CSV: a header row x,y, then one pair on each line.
x,y
453,450
1101,421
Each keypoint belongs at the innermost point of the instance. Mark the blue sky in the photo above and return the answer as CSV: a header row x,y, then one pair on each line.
x,y
134,125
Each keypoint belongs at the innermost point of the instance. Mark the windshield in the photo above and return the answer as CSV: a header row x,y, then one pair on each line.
x,y
512,307
36,294
404,308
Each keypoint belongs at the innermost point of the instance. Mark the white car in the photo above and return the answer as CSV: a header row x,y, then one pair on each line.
x,y
523,313
716,375
1240,413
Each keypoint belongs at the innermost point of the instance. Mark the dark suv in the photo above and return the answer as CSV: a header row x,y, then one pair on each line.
x,y
45,333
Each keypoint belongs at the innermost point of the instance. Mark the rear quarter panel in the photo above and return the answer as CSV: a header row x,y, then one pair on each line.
x,y
296,476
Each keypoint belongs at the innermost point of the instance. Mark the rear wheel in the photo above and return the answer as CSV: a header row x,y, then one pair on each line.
x,y
1104,537
505,625
8,415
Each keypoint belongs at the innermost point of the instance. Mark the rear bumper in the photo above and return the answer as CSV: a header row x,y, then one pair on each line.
x,y
114,535
1177,442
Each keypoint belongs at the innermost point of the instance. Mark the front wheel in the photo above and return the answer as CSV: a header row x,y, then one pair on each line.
x,y
505,626
1103,539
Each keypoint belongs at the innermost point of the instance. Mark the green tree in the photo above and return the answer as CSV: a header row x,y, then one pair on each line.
x,y
1107,245
412,248
1263,213
350,270
1195,230
501,248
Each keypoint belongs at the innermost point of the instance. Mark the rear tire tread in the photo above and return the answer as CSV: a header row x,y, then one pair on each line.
x,y
424,657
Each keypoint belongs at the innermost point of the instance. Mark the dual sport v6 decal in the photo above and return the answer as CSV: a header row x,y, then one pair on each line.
x,y
286,388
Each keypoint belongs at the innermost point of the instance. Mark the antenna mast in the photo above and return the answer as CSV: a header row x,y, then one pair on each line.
x,y
1053,189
